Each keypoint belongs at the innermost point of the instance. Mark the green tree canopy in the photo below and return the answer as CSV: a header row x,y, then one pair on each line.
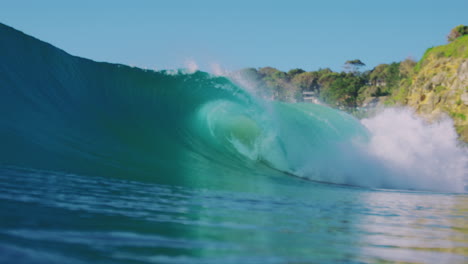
x,y
457,32
269,71
407,67
294,72
353,65
306,81
341,89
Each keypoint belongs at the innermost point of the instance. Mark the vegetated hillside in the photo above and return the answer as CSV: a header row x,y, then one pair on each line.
x,y
439,84
435,85
338,89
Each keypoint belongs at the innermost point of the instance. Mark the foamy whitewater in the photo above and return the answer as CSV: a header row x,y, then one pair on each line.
x,y
396,149
418,154
105,163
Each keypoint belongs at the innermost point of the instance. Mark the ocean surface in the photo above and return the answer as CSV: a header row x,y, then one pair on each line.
x,y
105,163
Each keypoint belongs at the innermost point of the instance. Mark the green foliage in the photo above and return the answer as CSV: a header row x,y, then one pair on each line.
x,y
327,78
344,90
390,102
294,72
341,89
382,80
456,32
457,48
355,62
440,88
381,92
347,89
307,81
250,74
353,65
400,94
278,84
324,71
407,67
387,75
423,59
458,116
270,72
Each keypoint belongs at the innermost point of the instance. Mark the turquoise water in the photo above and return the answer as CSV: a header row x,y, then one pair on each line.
x,y
52,217
104,163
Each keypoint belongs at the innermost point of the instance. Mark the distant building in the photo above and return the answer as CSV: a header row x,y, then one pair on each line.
x,y
309,96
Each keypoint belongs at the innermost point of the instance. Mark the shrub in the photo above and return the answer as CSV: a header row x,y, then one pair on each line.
x,y
457,32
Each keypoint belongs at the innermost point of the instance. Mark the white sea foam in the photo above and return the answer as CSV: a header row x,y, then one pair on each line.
x,y
416,154
218,70
191,65
400,151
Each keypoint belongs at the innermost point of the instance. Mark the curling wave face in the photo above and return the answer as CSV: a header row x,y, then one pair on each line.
x,y
64,113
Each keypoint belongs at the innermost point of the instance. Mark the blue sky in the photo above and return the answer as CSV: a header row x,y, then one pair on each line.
x,y
236,34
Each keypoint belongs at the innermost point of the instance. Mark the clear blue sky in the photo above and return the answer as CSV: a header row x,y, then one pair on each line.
x,y
242,33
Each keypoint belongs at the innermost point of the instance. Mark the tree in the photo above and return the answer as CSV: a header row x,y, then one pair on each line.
x,y
269,71
306,81
278,84
353,66
378,75
294,72
341,89
387,75
457,32
407,67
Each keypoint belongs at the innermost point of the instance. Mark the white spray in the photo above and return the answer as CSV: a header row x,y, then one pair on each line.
x,y
418,155
403,152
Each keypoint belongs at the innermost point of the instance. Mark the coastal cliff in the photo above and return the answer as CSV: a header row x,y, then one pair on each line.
x,y
439,85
